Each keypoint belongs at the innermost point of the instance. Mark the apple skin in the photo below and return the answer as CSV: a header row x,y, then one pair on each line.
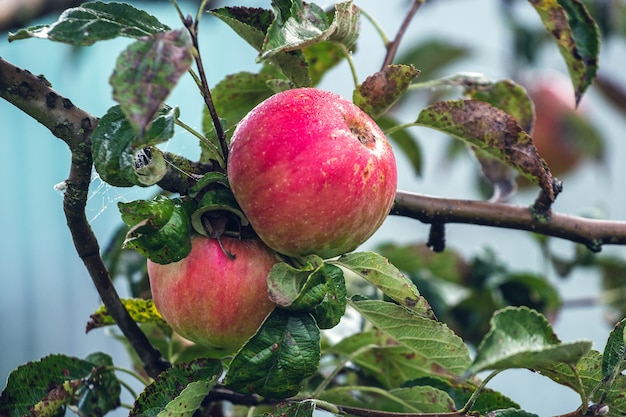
x,y
211,299
313,173
553,97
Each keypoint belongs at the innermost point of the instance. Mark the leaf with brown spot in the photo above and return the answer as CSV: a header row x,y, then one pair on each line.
x,y
380,90
491,130
577,35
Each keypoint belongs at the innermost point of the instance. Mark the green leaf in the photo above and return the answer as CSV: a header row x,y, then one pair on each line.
x,y
577,36
386,277
140,310
329,312
234,97
293,409
462,391
219,204
511,412
493,131
433,341
322,57
180,390
382,89
379,356
586,376
523,338
251,24
405,141
419,399
46,387
273,363
297,288
614,356
95,21
159,229
298,25
123,159
147,71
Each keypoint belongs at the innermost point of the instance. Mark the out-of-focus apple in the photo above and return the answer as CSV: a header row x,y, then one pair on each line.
x,y
562,133
313,173
211,298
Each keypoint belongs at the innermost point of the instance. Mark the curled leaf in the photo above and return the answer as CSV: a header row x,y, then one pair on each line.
x,y
493,131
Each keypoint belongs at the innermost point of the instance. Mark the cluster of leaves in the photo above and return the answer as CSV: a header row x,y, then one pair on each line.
x,y
404,359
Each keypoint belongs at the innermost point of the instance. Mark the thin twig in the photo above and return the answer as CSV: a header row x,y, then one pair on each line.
x,y
35,97
392,48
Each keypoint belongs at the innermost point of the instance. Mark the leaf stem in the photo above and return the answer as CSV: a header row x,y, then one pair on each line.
x,y
470,403
322,386
353,71
376,25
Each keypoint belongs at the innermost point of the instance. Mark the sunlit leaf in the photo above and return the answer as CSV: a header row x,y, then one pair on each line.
x,y
523,338
95,21
140,310
385,276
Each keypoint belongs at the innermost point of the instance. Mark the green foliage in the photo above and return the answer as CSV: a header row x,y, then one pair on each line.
x,y
412,351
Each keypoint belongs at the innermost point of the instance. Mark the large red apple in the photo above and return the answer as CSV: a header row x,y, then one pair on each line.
x,y
313,173
211,298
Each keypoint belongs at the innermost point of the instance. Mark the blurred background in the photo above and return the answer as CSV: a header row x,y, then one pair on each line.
x,y
46,295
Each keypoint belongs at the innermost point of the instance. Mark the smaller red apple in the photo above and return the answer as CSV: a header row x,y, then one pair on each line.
x,y
312,172
211,298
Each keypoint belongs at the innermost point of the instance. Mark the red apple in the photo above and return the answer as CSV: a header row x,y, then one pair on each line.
x,y
313,173
211,298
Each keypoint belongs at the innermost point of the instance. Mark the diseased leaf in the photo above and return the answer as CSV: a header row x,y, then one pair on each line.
x,y
491,130
160,229
577,36
140,310
523,338
122,158
298,25
178,391
95,21
380,90
275,361
446,353
46,387
386,277
147,71
614,356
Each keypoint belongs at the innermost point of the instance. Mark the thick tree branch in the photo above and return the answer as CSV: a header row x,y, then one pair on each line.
x,y
435,210
35,97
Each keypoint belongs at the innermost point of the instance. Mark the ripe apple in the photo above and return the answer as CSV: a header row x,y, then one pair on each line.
x,y
213,299
313,173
